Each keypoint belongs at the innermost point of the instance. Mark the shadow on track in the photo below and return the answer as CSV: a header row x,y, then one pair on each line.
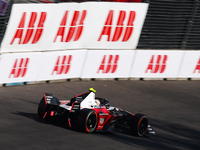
x,y
169,135
177,135
34,116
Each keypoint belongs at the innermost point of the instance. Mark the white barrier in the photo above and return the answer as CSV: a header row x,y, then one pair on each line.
x,y
62,65
38,66
43,66
87,25
108,64
86,40
20,67
156,64
190,67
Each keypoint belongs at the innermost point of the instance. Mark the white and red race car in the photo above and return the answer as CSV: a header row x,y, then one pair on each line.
x,y
89,114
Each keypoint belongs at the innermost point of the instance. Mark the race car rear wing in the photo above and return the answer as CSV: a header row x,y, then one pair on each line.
x,y
50,99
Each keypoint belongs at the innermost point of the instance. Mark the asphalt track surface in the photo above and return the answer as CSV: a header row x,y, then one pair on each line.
x,y
173,108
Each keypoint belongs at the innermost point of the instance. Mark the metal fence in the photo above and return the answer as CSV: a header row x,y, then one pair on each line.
x,y
4,21
169,24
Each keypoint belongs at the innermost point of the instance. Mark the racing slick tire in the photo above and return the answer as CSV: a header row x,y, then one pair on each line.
x,y
140,125
42,109
88,120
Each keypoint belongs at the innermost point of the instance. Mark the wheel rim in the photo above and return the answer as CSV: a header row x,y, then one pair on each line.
x,y
91,122
142,126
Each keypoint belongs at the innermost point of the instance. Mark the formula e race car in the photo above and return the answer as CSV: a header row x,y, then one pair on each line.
x,y
89,114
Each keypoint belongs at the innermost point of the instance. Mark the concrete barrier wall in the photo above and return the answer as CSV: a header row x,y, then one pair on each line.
x,y
86,64
35,47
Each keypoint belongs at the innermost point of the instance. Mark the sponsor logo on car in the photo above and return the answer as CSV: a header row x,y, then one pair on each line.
x,y
48,98
101,121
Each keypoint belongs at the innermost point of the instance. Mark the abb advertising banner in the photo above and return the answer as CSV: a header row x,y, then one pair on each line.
x,y
43,66
157,64
62,65
191,65
40,66
19,67
108,64
87,25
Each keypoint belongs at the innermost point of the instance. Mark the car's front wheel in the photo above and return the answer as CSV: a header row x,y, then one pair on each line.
x,y
140,125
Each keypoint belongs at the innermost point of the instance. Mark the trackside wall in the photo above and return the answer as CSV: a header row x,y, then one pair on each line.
x,y
86,40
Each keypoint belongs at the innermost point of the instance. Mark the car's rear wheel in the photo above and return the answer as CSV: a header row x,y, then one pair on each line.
x,y
88,120
140,125
42,109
